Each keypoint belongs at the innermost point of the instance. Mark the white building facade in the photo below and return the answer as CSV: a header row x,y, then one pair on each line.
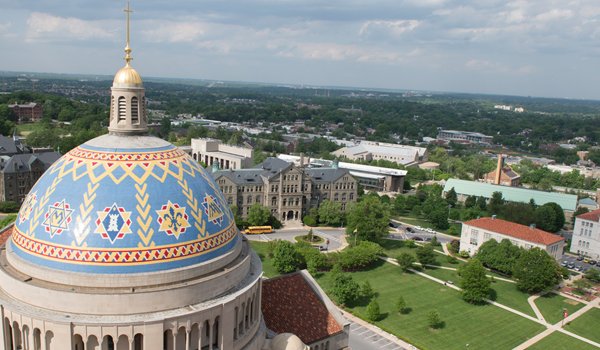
x,y
476,232
586,235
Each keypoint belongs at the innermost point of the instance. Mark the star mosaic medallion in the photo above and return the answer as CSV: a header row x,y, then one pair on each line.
x,y
57,218
172,219
113,223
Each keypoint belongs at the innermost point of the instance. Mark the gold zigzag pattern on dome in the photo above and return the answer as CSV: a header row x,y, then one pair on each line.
x,y
80,168
144,219
82,229
34,222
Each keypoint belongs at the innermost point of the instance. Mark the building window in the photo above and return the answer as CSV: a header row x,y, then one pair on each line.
x,y
297,201
230,201
351,196
336,198
284,202
249,199
474,237
587,245
343,196
274,201
257,199
487,236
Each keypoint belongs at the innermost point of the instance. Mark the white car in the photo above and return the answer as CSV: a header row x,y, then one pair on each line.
x,y
430,230
418,228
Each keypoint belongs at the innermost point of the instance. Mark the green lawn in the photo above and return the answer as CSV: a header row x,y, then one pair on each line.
x,y
482,326
586,325
25,129
267,265
560,341
507,294
393,252
551,306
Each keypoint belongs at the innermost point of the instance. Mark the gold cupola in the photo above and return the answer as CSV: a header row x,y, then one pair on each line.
x,y
128,101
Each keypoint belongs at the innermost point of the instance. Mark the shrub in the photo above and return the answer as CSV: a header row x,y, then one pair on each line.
x,y
360,256
373,310
451,259
9,207
433,318
367,290
275,223
345,288
308,221
400,304
463,254
410,243
8,220
435,242
452,231
270,247
285,257
454,246
425,255
242,223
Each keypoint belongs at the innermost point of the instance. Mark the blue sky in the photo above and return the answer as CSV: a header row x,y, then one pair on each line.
x,y
546,48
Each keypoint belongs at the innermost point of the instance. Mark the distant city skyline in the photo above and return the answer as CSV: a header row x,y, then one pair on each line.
x,y
536,48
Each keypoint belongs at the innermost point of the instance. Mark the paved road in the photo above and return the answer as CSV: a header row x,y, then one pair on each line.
x,y
573,259
362,338
399,232
331,234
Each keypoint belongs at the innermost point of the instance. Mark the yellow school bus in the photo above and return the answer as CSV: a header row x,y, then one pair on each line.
x,y
256,230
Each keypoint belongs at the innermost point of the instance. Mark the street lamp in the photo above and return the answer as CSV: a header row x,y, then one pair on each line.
x,y
564,316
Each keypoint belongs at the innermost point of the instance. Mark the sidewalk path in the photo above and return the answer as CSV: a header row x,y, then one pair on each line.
x,y
531,301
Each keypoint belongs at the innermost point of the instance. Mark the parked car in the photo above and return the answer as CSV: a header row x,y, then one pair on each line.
x,y
427,239
430,230
570,265
418,228
585,270
323,247
394,225
586,260
577,268
564,263
579,258
593,262
410,229
418,239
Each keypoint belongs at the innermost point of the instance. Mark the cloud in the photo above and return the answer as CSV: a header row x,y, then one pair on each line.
x,y
176,32
45,27
387,28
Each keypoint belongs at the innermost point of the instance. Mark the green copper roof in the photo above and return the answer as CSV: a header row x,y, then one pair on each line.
x,y
513,194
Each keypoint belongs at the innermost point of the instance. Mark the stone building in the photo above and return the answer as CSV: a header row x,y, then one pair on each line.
x,y
287,190
126,243
20,172
503,175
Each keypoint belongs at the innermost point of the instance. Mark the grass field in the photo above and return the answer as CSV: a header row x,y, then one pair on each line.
x,y
586,325
268,269
26,129
482,326
560,341
551,306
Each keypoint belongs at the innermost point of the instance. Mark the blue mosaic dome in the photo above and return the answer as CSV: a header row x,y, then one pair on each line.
x,y
124,210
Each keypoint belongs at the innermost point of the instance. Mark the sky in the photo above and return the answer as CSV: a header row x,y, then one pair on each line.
x,y
542,48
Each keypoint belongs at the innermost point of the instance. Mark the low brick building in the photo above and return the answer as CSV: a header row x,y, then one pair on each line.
x,y
29,112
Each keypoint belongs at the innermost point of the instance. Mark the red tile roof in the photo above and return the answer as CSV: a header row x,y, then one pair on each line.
x,y
515,230
5,236
592,215
289,305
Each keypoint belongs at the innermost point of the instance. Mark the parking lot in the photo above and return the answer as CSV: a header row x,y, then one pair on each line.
x,y
573,260
362,338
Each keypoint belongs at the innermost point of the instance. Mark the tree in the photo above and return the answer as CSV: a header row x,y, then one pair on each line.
x,y
519,212
416,210
470,201
496,202
235,211
367,290
409,243
400,304
474,283
593,274
545,219
579,211
398,203
451,197
165,125
454,246
501,256
439,219
285,257
472,213
434,241
373,311
425,255
237,137
406,187
433,318
258,216
559,219
330,212
370,218
583,285
345,288
481,203
406,260
454,215
411,201
270,247
313,213
309,236
536,271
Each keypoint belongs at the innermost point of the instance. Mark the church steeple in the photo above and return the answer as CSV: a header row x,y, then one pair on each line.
x,y
128,102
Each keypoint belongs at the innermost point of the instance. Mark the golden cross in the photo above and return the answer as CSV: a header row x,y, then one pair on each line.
x,y
128,12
